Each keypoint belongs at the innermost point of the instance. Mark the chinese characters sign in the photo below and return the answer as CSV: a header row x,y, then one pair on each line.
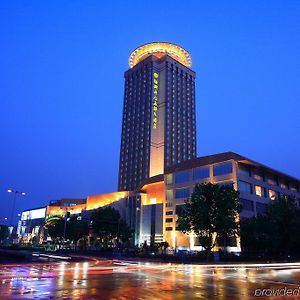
x,y
155,100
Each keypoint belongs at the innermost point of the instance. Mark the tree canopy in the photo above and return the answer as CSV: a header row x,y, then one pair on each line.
x,y
211,212
75,229
109,227
4,232
275,232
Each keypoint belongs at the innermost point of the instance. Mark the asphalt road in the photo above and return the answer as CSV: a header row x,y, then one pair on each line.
x,y
106,279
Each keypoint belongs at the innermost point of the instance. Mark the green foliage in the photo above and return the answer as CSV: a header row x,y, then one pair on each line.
x,y
4,232
109,227
56,229
275,232
211,212
75,229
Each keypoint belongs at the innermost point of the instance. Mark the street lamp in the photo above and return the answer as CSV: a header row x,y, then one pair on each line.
x,y
14,202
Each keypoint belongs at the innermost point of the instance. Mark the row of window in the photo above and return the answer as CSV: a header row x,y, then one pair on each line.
x,y
248,205
203,172
257,190
258,174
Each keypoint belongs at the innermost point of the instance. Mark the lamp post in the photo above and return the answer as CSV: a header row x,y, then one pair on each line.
x,y
14,202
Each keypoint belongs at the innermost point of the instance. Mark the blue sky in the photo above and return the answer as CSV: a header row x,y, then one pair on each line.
x,y
61,86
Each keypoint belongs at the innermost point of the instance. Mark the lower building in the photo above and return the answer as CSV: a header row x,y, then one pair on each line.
x,y
151,210
31,224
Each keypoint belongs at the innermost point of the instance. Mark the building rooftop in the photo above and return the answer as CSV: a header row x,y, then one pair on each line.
x,y
216,158
160,49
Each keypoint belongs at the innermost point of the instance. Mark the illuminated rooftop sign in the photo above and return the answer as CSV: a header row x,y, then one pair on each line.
x,y
160,49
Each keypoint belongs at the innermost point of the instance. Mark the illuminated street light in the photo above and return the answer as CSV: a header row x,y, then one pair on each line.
x,y
14,202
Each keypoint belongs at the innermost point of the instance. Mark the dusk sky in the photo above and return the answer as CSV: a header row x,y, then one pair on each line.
x,y
61,87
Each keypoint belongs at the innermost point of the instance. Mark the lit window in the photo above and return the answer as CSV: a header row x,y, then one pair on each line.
x,y
258,191
272,194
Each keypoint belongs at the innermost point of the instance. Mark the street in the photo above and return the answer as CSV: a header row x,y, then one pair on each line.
x,y
117,279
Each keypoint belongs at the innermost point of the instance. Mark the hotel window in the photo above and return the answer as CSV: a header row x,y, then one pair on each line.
x,y
259,191
244,169
182,176
182,193
169,228
272,194
222,169
283,185
226,183
245,187
257,174
261,208
169,213
169,178
294,189
169,220
271,180
201,173
247,204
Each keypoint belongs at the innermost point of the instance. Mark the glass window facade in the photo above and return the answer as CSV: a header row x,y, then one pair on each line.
x,y
226,183
201,173
271,179
259,191
182,193
222,169
247,204
272,194
181,177
244,169
245,187
261,208
258,174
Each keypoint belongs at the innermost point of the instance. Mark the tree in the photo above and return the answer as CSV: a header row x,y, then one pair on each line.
x,y
257,235
211,212
4,232
75,229
275,232
109,227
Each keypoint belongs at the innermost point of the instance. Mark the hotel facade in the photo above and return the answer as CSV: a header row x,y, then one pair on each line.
x,y
158,165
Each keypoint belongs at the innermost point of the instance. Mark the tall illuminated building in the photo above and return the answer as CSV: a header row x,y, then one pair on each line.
x,y
158,126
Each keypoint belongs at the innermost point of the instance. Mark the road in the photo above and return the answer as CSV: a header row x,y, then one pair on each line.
x,y
107,279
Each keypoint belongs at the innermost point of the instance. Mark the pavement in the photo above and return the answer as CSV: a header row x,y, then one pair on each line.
x,y
94,278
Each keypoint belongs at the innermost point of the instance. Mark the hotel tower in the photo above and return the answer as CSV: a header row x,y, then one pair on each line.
x,y
158,125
